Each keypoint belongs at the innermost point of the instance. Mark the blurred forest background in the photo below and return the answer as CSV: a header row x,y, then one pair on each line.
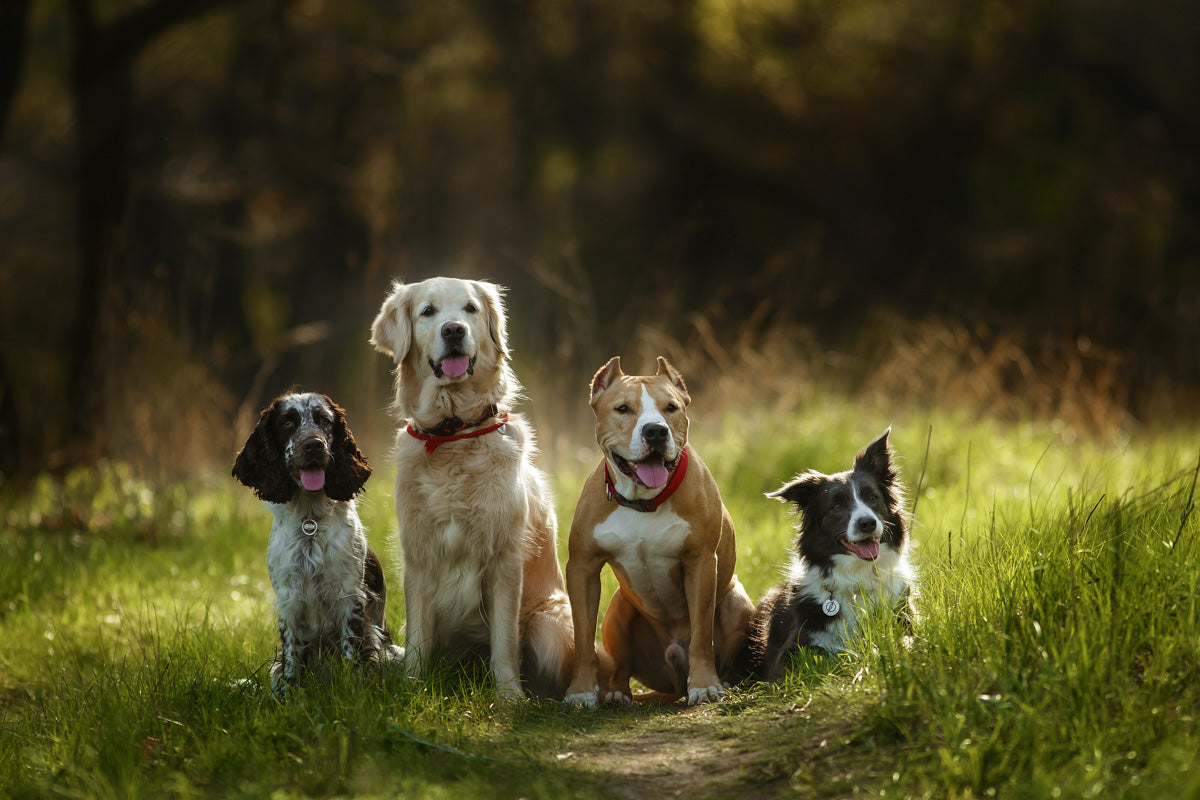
x,y
202,202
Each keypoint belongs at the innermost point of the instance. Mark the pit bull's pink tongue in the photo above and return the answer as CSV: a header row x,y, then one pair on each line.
x,y
312,479
455,365
651,474
867,550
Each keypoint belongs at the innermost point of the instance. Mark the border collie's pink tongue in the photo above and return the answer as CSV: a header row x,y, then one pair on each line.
x,y
312,479
868,550
454,366
651,474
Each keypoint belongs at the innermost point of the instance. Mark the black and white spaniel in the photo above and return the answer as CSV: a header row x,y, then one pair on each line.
x,y
302,460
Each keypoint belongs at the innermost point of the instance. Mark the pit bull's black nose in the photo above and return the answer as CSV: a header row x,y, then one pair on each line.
x,y
655,434
454,331
867,524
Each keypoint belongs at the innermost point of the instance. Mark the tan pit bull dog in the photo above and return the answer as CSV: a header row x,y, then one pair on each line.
x,y
652,511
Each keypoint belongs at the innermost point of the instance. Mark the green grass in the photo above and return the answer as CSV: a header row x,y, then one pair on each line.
x,y
1057,653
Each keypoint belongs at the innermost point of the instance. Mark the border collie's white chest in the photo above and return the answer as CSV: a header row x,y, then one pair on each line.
x,y
858,587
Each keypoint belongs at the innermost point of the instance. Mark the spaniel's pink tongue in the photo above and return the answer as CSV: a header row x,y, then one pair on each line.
x,y
455,365
868,550
312,479
653,475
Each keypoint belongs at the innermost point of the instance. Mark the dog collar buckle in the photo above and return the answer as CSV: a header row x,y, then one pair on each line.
x,y
310,527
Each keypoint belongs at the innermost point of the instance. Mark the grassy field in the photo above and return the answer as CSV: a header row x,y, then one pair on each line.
x,y
1058,652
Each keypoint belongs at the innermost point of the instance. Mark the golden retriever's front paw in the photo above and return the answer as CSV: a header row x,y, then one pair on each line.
x,y
510,690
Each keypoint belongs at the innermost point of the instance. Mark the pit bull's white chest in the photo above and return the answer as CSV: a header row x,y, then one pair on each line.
x,y
646,548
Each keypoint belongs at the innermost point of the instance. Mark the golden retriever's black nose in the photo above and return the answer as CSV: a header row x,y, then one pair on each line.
x,y
454,331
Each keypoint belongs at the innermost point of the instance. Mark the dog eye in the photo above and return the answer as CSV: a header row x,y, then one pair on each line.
x,y
470,308
671,408
622,409
428,311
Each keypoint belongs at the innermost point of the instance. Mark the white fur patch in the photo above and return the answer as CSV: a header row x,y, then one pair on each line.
x,y
647,547
858,586
649,415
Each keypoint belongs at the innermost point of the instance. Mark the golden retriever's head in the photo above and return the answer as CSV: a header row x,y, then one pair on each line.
x,y
449,339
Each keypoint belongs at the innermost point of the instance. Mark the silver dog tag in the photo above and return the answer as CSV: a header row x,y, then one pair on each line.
x,y
309,526
831,607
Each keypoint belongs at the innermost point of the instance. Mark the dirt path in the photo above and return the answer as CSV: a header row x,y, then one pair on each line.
x,y
690,754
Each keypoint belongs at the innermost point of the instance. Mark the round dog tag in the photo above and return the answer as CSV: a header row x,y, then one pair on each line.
x,y
831,607
309,526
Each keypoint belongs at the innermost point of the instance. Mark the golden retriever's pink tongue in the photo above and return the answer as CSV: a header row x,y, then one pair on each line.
x,y
868,550
455,365
312,479
653,475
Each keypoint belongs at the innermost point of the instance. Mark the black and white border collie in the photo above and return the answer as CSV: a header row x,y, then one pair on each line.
x,y
850,556
329,586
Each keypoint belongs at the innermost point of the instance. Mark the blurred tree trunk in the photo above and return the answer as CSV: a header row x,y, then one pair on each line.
x,y
102,60
12,52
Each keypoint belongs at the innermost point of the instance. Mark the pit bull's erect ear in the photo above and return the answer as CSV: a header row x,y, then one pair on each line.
x,y
607,375
665,368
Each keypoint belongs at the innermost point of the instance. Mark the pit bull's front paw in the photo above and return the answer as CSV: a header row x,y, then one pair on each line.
x,y
624,697
705,694
587,699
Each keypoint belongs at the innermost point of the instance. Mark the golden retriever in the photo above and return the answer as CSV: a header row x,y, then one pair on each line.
x,y
476,517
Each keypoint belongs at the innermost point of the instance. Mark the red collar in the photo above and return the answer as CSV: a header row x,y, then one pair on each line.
x,y
433,440
653,503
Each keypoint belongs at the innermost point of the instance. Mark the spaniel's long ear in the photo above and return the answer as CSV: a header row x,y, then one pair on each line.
x,y
348,469
392,332
260,465
493,306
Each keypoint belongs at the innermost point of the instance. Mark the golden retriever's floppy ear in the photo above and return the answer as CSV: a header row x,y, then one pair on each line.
x,y
605,377
665,368
391,332
493,306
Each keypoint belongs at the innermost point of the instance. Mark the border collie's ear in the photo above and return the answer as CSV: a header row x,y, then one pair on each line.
x,y
605,377
800,490
876,458
391,332
493,301
348,470
260,463
665,368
